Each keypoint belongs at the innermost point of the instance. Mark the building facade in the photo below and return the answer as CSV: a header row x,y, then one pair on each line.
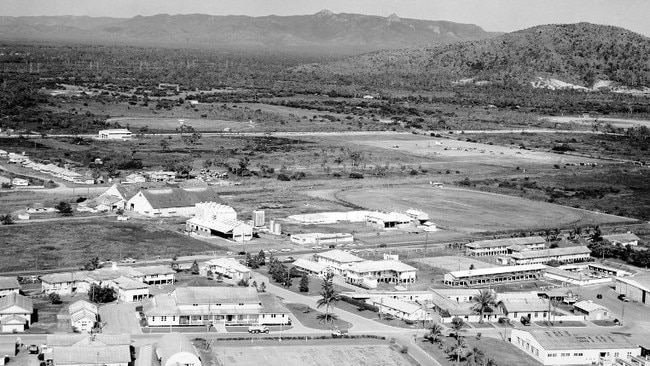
x,y
118,134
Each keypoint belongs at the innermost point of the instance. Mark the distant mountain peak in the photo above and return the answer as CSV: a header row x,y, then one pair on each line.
x,y
325,13
393,18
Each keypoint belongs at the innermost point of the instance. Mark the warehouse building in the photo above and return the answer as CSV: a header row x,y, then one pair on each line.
x,y
634,288
486,276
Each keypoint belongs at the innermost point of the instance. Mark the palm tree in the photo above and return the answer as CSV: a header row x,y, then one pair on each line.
x,y
457,325
490,362
483,302
435,332
475,357
459,350
329,297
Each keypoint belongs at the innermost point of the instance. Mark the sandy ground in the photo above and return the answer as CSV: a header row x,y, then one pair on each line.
x,y
362,355
616,122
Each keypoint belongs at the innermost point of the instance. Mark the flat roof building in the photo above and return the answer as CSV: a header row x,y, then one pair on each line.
x,y
337,259
563,255
485,276
500,246
120,134
384,271
562,347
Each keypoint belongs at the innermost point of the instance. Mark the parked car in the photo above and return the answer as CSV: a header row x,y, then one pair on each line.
x,y
623,298
256,329
337,333
33,349
128,260
286,249
599,296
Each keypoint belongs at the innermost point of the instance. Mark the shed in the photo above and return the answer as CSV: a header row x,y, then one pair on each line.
x,y
591,310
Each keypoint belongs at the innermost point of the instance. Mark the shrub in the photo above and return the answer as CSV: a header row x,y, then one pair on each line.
x,y
283,177
355,175
360,304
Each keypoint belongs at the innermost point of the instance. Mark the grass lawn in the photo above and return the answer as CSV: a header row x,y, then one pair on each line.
x,y
64,244
307,317
604,323
485,325
502,352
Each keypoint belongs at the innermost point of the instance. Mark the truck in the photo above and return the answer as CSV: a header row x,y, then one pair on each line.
x,y
256,329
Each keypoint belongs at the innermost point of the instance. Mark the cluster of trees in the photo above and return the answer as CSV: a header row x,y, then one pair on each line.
x,y
101,294
460,349
256,261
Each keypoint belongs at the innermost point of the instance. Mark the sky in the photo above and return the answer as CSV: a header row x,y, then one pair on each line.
x,y
491,15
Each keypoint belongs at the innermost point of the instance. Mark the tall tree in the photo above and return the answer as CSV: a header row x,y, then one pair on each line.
x,y
329,296
457,325
304,283
435,333
64,208
483,302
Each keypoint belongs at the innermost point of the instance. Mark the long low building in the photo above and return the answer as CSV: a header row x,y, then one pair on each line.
x,y
402,309
215,305
227,267
337,259
501,246
562,347
563,255
322,238
458,303
485,276
310,267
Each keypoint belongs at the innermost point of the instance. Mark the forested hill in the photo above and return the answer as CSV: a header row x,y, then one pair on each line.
x,y
580,54
321,30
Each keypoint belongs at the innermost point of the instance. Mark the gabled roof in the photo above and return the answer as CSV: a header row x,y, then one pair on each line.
x,y
621,238
107,274
14,299
82,305
126,191
309,265
207,295
91,355
9,283
83,314
524,305
64,277
506,242
271,304
13,319
566,340
228,263
396,304
339,256
177,197
589,306
125,283
154,270
99,339
530,254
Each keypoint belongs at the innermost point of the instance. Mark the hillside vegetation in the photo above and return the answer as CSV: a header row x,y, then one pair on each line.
x,y
577,53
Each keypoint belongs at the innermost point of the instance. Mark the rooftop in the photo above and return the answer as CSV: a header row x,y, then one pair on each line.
x,y
222,226
154,270
15,300
551,252
642,282
207,295
126,283
624,237
589,306
171,344
67,339
340,256
229,263
82,305
497,270
565,340
91,355
9,283
523,305
309,265
506,242
177,197
271,304
382,265
396,304
64,277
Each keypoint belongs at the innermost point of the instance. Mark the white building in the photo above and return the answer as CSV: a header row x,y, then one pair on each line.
x,y
88,350
83,316
15,313
338,260
19,182
174,349
322,238
311,267
514,306
563,255
62,283
135,178
383,271
563,347
161,176
635,288
591,310
115,134
501,246
459,303
486,276
622,239
227,267
392,220
9,285
170,201
215,219
401,309
129,290
216,305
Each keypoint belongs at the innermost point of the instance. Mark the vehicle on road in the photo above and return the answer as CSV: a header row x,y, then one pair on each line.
x,y
286,249
33,349
128,260
256,329
623,298
338,333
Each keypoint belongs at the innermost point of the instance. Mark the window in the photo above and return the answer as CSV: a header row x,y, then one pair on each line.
x,y
174,318
552,355
565,354
580,354
241,304
163,318
615,354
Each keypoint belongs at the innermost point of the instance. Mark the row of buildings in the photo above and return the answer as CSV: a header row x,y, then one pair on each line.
x,y
411,218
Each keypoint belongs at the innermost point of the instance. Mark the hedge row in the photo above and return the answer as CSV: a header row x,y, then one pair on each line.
x,y
359,303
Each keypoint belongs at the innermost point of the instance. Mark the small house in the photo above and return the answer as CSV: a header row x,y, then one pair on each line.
x,y
15,313
9,285
118,134
591,310
622,239
83,316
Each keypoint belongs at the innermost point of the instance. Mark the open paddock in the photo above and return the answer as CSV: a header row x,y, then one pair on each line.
x,y
310,355
473,211
171,124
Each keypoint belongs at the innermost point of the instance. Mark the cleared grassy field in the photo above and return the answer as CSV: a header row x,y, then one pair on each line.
x,y
335,355
473,211
171,123
72,244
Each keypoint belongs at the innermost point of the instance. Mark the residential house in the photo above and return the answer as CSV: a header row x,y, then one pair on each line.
x,y
9,285
103,203
227,267
83,316
215,305
214,219
337,259
563,255
367,273
174,349
310,267
62,283
135,178
156,275
161,176
591,310
501,246
119,134
130,290
170,201
402,309
15,313
448,304
623,239
514,306
564,347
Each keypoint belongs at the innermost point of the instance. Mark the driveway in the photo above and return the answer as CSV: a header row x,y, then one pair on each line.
x,y
120,318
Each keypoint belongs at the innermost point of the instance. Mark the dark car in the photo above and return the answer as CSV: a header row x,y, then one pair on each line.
x,y
33,349
623,298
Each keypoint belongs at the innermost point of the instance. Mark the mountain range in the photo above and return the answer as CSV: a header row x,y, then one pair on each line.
x,y
580,54
324,29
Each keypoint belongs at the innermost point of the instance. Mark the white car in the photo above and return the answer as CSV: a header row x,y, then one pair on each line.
x,y
286,249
